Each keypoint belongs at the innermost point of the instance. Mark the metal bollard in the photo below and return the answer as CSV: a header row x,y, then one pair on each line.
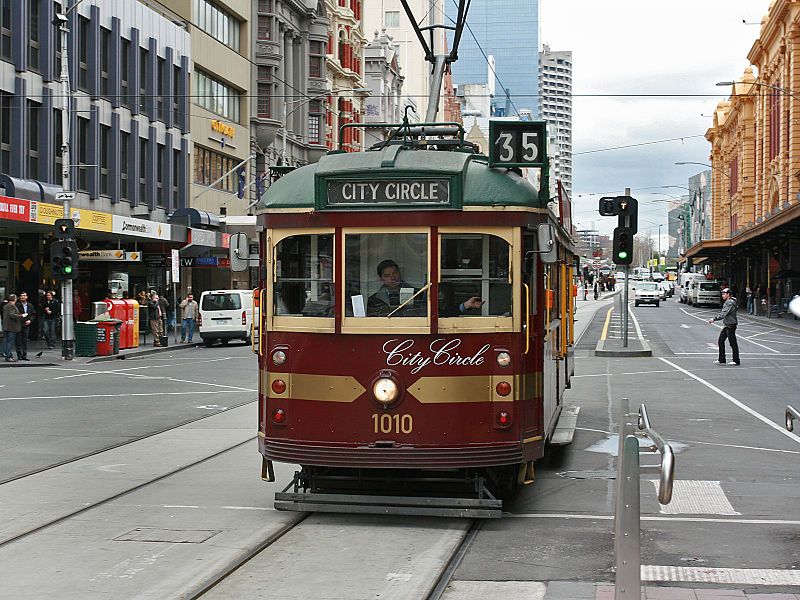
x,y
627,515
791,415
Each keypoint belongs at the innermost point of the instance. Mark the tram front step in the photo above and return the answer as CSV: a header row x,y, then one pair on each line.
x,y
565,430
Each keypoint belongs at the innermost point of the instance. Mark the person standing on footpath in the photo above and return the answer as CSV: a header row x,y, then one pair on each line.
x,y
155,316
28,312
12,325
190,310
51,310
729,322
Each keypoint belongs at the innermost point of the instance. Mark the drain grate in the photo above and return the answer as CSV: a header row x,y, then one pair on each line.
x,y
170,536
588,474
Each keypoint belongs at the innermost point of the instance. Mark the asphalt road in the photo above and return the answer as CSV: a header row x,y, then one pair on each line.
x,y
51,415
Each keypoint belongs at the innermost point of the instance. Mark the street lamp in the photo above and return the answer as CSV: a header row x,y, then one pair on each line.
x,y
759,84
303,101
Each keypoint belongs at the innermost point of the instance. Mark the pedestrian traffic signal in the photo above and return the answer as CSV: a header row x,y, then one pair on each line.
x,y
65,229
623,245
64,260
625,207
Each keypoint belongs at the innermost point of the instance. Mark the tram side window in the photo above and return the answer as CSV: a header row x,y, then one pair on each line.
x,y
384,271
304,276
474,266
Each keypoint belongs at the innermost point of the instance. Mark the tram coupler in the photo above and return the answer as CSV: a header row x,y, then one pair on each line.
x,y
267,472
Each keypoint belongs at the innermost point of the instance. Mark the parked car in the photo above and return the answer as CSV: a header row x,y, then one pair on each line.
x,y
705,293
646,292
683,284
225,315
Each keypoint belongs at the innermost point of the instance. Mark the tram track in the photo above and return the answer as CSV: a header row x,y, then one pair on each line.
x,y
446,576
98,503
122,444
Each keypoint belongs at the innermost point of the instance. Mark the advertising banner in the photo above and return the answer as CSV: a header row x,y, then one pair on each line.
x,y
14,209
91,220
141,228
110,255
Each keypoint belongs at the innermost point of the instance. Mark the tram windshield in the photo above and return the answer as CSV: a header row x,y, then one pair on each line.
x,y
304,276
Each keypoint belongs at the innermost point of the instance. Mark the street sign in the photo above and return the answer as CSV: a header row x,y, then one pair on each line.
x,y
62,196
176,266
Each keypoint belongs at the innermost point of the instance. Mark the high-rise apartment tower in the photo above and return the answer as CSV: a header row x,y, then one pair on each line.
x,y
555,85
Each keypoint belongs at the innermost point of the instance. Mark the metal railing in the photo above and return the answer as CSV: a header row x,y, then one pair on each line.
x,y
627,515
791,415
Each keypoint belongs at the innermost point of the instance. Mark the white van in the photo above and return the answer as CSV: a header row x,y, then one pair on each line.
x,y
225,315
684,279
706,293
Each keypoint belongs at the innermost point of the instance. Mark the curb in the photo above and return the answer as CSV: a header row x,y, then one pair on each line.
x,y
12,365
143,352
645,351
774,322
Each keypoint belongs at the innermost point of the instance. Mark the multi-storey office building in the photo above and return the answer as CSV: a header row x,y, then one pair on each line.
x,y
129,70
508,30
555,85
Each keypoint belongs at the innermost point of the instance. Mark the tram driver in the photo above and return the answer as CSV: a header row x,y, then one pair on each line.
x,y
388,297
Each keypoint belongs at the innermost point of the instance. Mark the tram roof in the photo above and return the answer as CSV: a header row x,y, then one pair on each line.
x,y
473,183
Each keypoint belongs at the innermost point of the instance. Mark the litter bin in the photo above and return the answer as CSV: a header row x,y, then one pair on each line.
x,y
108,337
86,338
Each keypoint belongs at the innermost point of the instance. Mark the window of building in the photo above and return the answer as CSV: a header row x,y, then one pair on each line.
x,y
210,166
5,28
217,22
83,153
33,140
143,53
176,77
143,170
217,97
160,75
176,165
265,6
264,27
124,140
57,147
774,124
33,35
83,54
391,18
304,278
105,148
264,92
160,174
124,74
105,60
316,54
315,120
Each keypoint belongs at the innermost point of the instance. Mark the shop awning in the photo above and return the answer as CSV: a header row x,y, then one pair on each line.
x,y
194,218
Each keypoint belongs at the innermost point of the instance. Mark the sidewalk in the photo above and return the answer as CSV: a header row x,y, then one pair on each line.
x,y
787,321
41,356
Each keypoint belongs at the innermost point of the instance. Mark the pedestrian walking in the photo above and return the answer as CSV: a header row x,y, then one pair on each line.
x,y
190,310
156,317
729,322
28,312
12,324
750,299
51,310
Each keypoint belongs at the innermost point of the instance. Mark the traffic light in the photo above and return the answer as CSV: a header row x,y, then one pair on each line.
x,y
623,245
65,229
64,260
240,175
625,207
609,207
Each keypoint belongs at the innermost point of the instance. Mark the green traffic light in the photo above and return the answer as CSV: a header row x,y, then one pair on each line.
x,y
67,270
621,255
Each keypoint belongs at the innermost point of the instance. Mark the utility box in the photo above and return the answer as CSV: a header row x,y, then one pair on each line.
x,y
126,311
86,338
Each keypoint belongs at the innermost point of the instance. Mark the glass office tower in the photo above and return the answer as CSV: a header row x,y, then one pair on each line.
x,y
508,30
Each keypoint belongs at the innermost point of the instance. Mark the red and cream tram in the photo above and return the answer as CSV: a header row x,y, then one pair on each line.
x,y
415,330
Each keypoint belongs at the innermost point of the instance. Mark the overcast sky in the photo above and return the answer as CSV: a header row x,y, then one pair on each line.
x,y
645,47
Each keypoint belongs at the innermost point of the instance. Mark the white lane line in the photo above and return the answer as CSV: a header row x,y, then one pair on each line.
x,y
468,590
720,327
783,356
795,343
721,575
652,372
655,518
267,508
149,394
696,498
733,400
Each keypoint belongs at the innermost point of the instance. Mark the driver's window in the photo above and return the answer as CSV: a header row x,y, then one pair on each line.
x,y
385,275
475,278
304,276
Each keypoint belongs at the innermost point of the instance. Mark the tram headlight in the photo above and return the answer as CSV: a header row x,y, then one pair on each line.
x,y
279,357
503,359
385,390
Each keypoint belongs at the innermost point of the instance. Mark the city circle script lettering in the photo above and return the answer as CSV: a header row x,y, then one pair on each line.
x,y
404,191
439,352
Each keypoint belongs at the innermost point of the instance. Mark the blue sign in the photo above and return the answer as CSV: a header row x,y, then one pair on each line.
x,y
205,261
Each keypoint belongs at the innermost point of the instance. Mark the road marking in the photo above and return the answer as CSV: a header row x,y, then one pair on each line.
x,y
111,469
179,506
696,498
656,371
733,400
268,508
656,518
720,575
468,590
720,327
149,394
605,327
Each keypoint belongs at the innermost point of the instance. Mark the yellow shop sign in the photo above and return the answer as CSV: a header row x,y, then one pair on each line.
x,y
91,220
223,128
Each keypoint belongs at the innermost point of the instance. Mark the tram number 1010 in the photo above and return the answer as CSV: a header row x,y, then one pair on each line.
x,y
386,423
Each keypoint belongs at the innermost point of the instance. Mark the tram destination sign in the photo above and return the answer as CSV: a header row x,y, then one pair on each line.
x,y
389,192
517,143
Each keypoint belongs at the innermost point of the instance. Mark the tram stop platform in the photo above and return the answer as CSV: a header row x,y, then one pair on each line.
x,y
614,347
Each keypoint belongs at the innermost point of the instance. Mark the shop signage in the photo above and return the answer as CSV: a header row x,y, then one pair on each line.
x,y
176,265
156,260
205,261
223,128
14,209
202,237
389,192
110,255
91,220
141,228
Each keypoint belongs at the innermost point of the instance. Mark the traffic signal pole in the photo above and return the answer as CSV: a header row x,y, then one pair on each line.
x,y
67,324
